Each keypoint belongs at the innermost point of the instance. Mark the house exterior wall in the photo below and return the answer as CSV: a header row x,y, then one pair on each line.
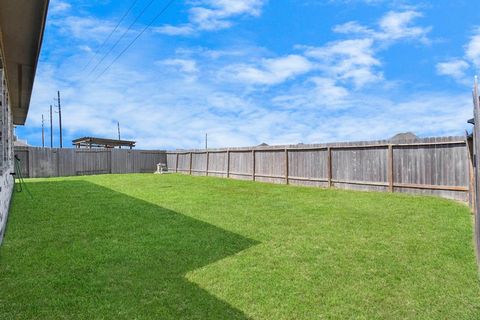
x,y
6,181
6,155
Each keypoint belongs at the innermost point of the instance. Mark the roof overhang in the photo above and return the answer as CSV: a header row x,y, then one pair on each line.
x,y
22,23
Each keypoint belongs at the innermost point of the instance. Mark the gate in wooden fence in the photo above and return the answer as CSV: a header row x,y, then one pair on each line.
x,y
48,162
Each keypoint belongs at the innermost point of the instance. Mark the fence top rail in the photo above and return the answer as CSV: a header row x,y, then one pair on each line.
x,y
331,147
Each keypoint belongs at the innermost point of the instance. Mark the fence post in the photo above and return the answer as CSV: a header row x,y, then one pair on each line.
x,y
228,163
329,166
286,167
390,168
176,164
471,173
111,160
190,169
208,158
253,164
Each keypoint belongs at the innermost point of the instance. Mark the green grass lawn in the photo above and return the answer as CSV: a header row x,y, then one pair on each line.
x,y
180,247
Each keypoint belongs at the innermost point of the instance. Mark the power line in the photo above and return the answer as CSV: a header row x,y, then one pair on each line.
x,y
136,38
121,37
111,33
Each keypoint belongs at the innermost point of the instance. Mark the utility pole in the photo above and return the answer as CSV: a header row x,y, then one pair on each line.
x,y
206,141
60,119
51,126
43,132
119,137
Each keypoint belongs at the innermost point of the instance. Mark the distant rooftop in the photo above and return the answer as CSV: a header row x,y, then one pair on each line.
x,y
405,136
92,142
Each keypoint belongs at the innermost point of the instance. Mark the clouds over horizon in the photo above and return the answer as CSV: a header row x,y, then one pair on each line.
x,y
168,94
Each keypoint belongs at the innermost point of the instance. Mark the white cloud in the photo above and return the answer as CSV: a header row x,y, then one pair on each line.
x,y
472,51
85,48
269,71
317,93
453,68
356,59
393,26
83,28
397,25
353,27
58,6
348,60
457,67
183,65
175,30
211,15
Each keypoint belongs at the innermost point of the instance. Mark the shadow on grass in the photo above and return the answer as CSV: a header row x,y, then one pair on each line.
x,y
79,250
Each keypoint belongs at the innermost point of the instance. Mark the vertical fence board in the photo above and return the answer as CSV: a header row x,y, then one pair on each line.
x,y
66,162
199,164
217,164
241,165
358,165
122,161
172,162
184,163
308,167
444,165
270,166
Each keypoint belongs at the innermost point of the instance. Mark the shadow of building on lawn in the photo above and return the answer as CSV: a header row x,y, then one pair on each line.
x,y
95,253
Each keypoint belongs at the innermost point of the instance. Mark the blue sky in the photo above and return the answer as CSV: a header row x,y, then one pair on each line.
x,y
253,71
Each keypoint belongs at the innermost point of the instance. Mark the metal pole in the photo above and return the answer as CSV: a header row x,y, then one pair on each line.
x,y
51,126
119,136
43,132
60,119
206,141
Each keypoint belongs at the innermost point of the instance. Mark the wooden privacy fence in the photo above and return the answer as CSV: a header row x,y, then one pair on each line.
x,y
48,162
437,166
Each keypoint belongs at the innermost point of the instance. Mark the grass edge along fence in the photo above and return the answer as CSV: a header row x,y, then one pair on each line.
x,y
432,166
